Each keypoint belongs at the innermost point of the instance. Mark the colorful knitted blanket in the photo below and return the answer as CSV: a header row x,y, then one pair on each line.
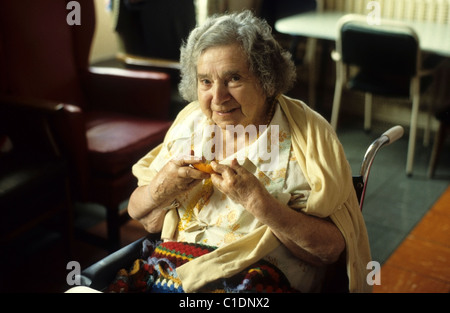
x,y
156,272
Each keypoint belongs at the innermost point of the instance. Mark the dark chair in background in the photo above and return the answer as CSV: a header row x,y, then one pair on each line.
x,y
272,11
99,275
151,33
154,29
386,61
109,118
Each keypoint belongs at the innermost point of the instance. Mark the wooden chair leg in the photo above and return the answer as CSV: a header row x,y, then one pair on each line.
x,y
413,130
68,223
312,70
437,146
336,102
368,111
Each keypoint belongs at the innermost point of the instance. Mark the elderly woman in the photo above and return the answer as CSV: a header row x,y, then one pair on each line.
x,y
280,189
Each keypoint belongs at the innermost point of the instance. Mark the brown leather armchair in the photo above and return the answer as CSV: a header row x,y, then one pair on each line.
x,y
110,118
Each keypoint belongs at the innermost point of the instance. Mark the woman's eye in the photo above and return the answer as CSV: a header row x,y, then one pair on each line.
x,y
205,82
235,78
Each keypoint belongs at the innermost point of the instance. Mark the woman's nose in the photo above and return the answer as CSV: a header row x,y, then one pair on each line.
x,y
220,94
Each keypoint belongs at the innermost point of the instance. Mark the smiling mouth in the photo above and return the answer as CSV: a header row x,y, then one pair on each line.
x,y
225,112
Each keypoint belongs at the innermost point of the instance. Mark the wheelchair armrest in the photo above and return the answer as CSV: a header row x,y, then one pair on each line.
x,y
100,274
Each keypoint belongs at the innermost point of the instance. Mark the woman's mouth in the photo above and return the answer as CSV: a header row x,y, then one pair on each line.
x,y
225,112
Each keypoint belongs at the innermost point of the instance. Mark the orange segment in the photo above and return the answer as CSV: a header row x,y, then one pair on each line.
x,y
207,168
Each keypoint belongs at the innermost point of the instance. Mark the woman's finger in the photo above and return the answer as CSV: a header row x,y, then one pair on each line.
x,y
237,167
186,160
191,173
222,169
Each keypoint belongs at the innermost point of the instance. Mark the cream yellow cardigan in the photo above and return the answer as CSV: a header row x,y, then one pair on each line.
x,y
323,161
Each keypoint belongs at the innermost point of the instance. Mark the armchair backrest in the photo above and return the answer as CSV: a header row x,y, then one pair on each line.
x,y
42,56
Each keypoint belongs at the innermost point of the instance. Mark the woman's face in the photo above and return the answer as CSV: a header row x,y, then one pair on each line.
x,y
229,94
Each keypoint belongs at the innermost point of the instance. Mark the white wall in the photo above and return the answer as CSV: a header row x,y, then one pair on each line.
x,y
105,44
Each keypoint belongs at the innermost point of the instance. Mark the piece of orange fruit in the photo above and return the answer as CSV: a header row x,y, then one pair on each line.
x,y
204,167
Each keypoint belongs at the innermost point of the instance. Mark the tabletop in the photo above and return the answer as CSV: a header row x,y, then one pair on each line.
x,y
433,37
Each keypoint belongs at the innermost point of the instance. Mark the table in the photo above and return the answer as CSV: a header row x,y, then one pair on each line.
x,y
433,37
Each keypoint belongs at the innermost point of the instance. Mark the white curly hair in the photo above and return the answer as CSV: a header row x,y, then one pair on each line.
x,y
268,61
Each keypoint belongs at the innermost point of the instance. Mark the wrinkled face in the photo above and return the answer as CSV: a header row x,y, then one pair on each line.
x,y
228,93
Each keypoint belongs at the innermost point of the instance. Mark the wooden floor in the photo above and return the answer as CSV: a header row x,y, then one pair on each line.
x,y
421,264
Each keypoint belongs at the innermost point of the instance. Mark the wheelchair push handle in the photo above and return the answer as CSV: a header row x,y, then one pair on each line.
x,y
393,134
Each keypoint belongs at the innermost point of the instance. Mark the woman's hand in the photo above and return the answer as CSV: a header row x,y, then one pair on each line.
x,y
176,177
237,183
147,203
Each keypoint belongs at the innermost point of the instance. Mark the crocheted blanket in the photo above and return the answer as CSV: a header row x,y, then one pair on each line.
x,y
156,272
